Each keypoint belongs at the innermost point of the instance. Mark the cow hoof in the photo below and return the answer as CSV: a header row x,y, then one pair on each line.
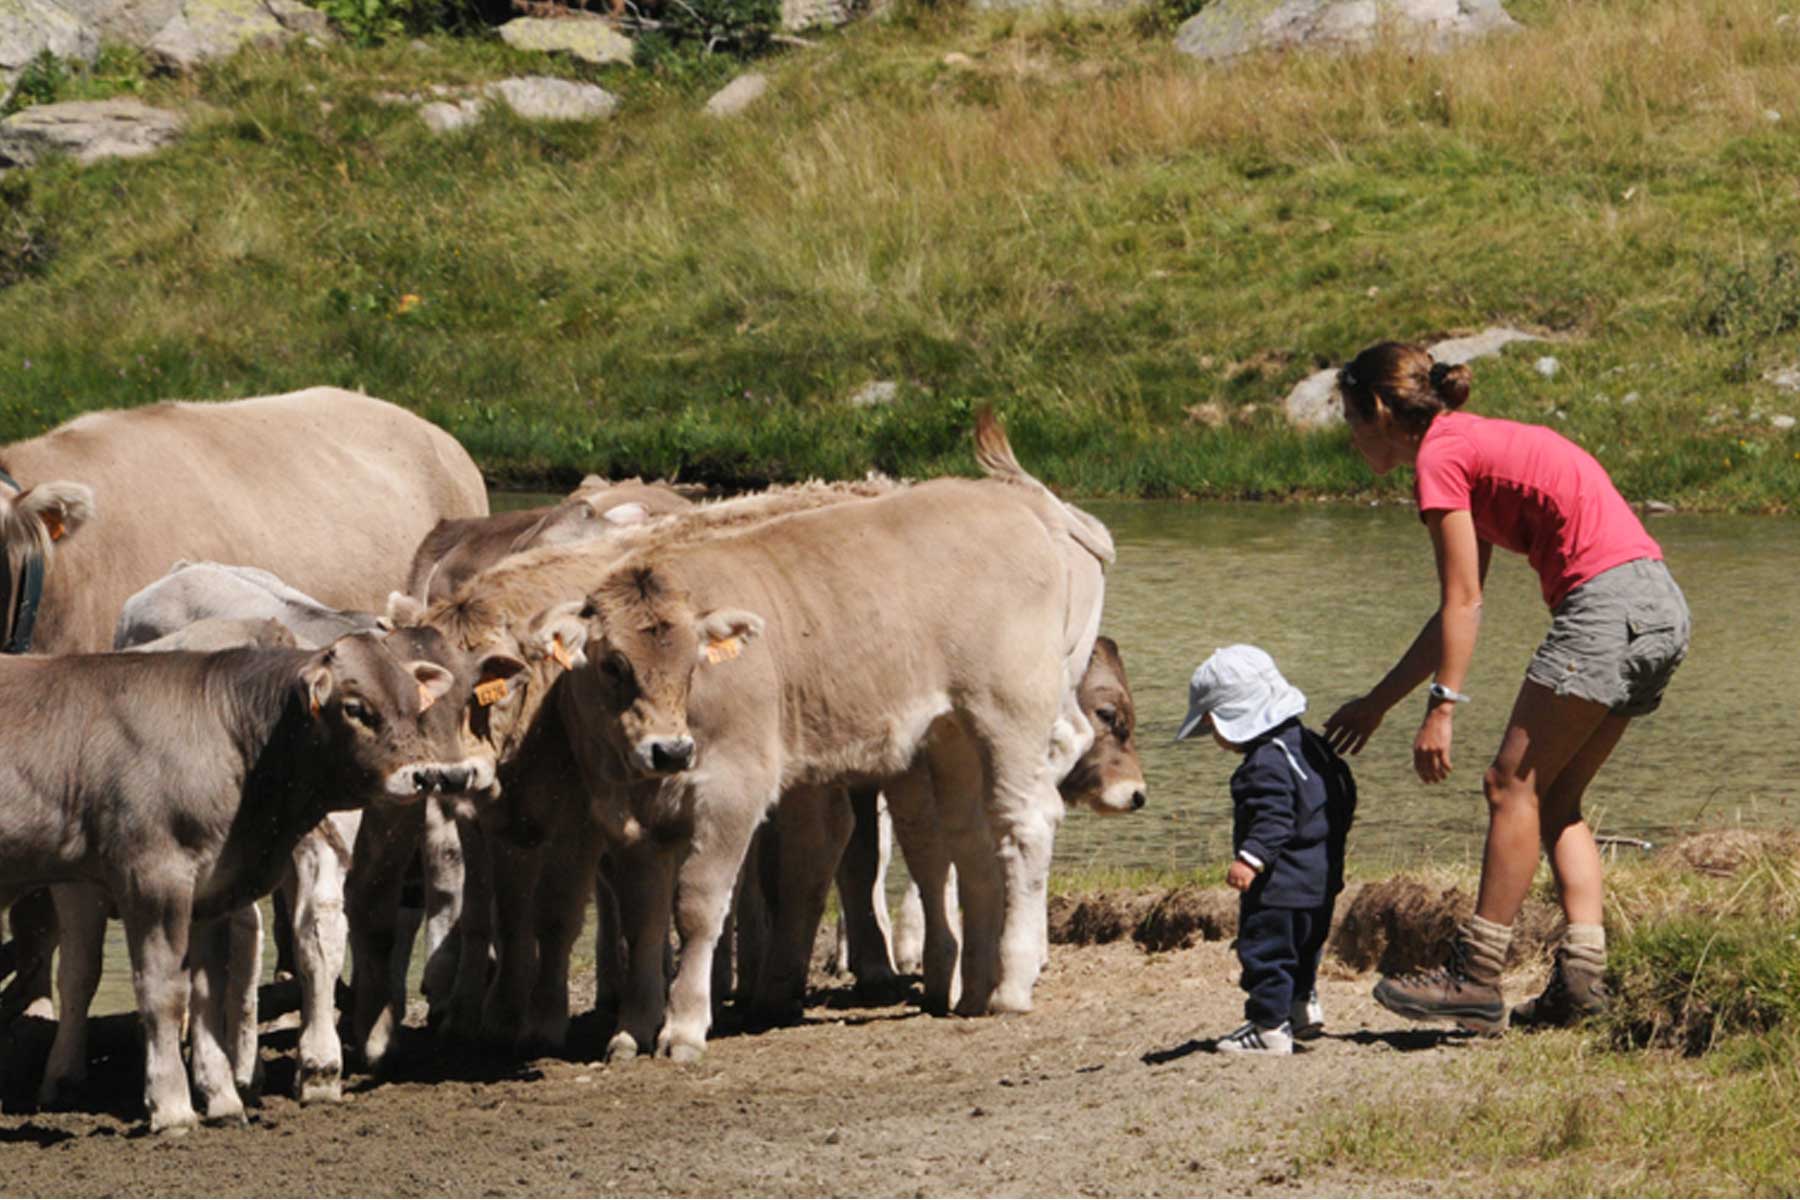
x,y
1010,1001
227,1111
683,1052
59,1095
622,1048
319,1087
174,1123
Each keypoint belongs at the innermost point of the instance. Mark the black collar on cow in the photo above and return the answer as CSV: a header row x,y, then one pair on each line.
x,y
19,604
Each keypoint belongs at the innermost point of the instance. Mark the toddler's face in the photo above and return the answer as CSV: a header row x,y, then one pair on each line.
x,y
1206,723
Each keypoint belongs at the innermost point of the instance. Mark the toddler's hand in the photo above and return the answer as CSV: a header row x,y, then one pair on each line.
x,y
1241,875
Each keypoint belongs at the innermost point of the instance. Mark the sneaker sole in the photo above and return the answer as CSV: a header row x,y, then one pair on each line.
x,y
1482,1021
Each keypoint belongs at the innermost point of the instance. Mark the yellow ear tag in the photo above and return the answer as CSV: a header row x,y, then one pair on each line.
x,y
491,692
561,654
426,699
53,524
724,650
312,702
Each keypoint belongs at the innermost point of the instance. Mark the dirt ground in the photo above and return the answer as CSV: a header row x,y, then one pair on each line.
x,y
1109,1087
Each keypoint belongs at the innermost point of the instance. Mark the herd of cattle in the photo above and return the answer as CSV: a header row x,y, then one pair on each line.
x,y
278,646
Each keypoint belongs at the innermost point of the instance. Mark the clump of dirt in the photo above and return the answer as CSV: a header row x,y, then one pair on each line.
x,y
1188,915
1096,918
1726,852
1403,924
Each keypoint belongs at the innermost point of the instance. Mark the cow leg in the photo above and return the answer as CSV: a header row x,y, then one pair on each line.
x,y
563,896
815,825
80,920
441,851
862,893
320,932
909,931
646,890
752,919
245,960
703,896
610,953
209,952
959,783
156,930
514,939
1023,816
475,954
913,807
384,844
283,934
33,921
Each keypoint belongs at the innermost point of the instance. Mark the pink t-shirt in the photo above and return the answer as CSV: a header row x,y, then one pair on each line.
x,y
1534,492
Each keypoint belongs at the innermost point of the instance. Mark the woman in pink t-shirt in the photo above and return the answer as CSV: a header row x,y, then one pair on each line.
x,y
1619,629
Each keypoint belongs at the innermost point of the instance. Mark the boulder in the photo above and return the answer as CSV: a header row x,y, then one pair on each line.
x,y
87,130
876,393
1479,345
591,39
1228,28
207,29
443,117
30,27
131,22
797,15
737,95
539,98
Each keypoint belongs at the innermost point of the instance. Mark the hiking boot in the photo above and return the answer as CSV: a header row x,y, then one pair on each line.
x,y
1249,1038
1446,993
1573,993
1307,1017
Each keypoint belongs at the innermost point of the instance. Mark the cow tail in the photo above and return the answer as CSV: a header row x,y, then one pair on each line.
x,y
995,455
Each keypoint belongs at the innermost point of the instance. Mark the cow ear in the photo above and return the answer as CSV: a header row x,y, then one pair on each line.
x,y
560,633
724,632
402,611
59,508
319,683
434,682
494,677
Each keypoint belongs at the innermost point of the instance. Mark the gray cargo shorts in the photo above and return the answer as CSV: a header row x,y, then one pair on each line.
x,y
1616,639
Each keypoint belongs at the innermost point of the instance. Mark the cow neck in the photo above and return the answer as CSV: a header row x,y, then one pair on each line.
x,y
19,598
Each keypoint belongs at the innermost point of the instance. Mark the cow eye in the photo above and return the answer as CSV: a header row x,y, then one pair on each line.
x,y
616,667
361,713
1107,716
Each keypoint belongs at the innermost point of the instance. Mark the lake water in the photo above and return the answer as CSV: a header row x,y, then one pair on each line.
x,y
1335,593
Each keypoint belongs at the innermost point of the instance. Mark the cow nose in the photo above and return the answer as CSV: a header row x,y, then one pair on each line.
x,y
455,779
672,754
1138,799
424,779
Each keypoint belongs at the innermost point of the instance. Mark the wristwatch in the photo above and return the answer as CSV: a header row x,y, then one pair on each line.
x,y
1440,692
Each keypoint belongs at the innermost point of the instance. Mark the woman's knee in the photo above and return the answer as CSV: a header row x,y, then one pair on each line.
x,y
1506,790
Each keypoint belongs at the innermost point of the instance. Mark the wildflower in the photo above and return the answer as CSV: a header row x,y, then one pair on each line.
x,y
407,303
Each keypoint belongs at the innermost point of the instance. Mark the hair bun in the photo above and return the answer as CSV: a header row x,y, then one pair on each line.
x,y
1450,382
1439,371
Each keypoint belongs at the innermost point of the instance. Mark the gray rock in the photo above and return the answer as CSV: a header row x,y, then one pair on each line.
x,y
875,393
1479,345
591,39
87,130
1547,366
1067,6
1782,421
30,27
738,95
442,117
1228,28
1314,403
1787,378
797,15
539,98
132,22
204,30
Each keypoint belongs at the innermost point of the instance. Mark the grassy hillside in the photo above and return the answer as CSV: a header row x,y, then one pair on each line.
x,y
1077,224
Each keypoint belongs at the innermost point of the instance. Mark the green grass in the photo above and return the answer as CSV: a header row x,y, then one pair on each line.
x,y
1084,228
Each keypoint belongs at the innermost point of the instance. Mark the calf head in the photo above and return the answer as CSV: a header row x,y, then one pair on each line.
x,y
504,669
645,641
1109,778
374,710
32,521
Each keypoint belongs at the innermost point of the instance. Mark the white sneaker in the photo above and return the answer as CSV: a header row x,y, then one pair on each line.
x,y
1250,1039
1307,1017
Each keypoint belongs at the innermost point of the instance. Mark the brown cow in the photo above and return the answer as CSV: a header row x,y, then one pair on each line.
x,y
179,783
947,621
331,490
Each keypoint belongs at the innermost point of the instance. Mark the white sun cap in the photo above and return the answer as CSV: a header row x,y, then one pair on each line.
x,y
1245,693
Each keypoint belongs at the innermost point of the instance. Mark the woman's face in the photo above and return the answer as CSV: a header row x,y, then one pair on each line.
x,y
1372,439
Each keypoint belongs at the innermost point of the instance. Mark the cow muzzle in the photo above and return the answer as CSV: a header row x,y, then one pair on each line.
x,y
420,779
1122,796
664,756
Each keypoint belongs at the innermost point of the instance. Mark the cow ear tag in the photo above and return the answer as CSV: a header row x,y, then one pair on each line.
x,y
491,692
312,702
426,699
724,649
561,653
53,525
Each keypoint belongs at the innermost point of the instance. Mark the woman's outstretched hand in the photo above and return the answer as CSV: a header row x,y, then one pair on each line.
x,y
1431,749
1349,728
